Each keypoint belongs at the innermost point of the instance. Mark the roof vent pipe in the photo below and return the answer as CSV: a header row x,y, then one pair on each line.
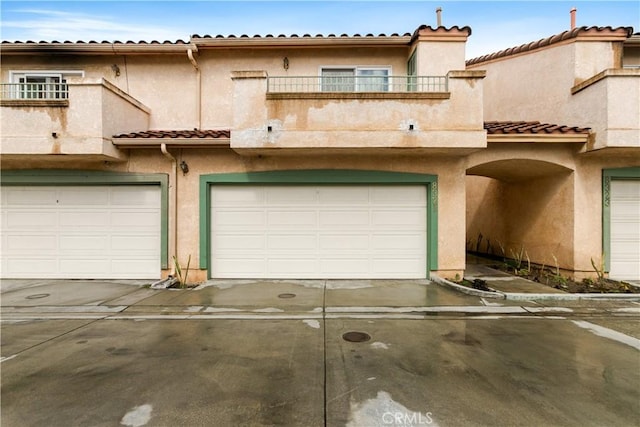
x,y
439,16
573,17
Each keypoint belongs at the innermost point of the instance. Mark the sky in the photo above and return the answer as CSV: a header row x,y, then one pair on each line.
x,y
495,25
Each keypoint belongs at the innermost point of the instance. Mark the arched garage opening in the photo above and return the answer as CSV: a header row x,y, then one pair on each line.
x,y
516,205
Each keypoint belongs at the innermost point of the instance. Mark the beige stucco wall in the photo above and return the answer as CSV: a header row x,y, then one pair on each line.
x,y
450,171
364,122
95,112
534,216
537,85
437,58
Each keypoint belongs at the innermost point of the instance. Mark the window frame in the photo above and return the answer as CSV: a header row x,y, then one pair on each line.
x,y
356,69
15,77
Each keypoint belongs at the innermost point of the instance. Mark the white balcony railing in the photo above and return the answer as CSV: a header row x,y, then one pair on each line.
x,y
35,91
351,84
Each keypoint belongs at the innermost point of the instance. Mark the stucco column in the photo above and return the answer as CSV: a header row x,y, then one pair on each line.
x,y
249,108
451,221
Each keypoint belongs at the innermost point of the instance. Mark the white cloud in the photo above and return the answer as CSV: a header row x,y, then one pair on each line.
x,y
49,25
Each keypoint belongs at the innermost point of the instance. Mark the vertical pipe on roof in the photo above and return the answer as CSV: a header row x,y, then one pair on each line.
x,y
198,85
439,16
573,17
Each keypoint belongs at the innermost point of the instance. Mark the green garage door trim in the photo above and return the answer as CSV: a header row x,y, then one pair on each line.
x,y
49,177
320,177
632,173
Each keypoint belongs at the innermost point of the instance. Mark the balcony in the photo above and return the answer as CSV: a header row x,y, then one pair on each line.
x,y
30,94
614,116
360,114
354,87
46,120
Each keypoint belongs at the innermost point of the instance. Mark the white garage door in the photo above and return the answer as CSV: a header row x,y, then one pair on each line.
x,y
318,232
625,230
99,232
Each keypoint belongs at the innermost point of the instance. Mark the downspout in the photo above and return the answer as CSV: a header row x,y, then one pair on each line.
x,y
198,85
173,224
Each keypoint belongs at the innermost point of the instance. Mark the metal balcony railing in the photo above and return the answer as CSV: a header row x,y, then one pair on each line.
x,y
351,84
35,91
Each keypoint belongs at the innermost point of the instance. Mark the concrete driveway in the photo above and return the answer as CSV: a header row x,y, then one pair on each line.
x,y
250,353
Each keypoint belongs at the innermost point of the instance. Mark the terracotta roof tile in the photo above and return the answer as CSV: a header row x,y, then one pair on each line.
x,y
162,134
508,127
569,34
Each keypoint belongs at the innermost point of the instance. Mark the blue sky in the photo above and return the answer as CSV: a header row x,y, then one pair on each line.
x,y
496,24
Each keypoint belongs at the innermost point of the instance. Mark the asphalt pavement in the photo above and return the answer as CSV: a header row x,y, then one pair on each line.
x,y
312,353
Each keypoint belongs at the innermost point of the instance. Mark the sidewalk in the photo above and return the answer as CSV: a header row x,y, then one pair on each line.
x,y
283,299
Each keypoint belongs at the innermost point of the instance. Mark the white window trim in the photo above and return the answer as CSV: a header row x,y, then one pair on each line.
x,y
50,90
15,75
357,68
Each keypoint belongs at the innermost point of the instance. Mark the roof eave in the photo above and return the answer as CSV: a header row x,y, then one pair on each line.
x,y
269,42
181,142
546,138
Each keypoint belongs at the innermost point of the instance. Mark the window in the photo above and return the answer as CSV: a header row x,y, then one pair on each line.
x,y
355,79
412,72
42,87
40,84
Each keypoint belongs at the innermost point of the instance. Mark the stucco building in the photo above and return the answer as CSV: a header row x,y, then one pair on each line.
x,y
307,156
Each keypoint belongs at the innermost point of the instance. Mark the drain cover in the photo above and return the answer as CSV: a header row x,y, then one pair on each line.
x,y
355,336
37,296
287,296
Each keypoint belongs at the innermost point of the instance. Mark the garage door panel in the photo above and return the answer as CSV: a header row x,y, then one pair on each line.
x,y
135,219
141,196
84,218
28,220
237,196
238,241
625,229
399,195
403,267
353,267
343,195
82,196
238,218
397,241
83,233
26,244
344,218
19,196
229,267
288,196
399,218
333,242
34,267
83,267
131,244
291,267
295,242
320,232
286,218
84,242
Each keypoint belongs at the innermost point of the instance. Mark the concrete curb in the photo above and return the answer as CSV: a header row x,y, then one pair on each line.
x,y
466,290
513,296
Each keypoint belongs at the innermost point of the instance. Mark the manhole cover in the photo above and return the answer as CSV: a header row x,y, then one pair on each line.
x,y
356,336
37,296
286,296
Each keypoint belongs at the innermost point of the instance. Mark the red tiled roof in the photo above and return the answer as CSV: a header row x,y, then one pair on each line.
x,y
257,37
164,134
93,42
569,34
508,127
